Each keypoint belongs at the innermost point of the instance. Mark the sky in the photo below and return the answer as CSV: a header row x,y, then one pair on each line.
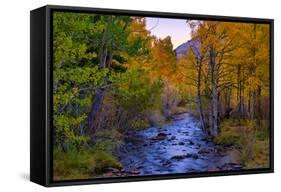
x,y
176,28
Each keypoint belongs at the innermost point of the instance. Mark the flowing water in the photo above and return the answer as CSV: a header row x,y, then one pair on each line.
x,y
178,147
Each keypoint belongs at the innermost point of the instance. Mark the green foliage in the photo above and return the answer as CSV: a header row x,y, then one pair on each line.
x,y
136,90
75,75
66,132
78,44
84,75
136,93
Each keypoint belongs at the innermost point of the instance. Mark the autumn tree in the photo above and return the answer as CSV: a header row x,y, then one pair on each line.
x,y
210,59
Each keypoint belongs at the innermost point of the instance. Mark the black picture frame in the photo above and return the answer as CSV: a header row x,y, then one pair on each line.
x,y
41,97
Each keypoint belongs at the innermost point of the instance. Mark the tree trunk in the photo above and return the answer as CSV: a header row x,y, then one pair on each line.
x,y
214,95
99,94
215,103
240,92
259,112
243,95
199,99
94,110
249,103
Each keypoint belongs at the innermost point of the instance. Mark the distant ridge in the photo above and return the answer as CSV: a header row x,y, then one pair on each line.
x,y
182,50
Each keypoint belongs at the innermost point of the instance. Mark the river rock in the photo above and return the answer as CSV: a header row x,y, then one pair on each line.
x,y
113,170
186,133
231,166
219,149
160,136
192,155
214,169
188,155
140,167
178,157
190,142
206,139
165,162
181,143
133,172
172,138
205,150
109,174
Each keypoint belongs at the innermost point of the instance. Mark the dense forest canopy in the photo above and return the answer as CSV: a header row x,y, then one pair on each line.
x,y
111,76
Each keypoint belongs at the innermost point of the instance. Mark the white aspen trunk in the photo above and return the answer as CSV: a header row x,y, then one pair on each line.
x,y
211,107
213,119
199,99
215,102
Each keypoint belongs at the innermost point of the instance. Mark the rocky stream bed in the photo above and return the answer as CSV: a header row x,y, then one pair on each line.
x,y
177,147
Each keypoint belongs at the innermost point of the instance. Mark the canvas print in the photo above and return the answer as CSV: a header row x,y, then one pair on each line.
x,y
142,96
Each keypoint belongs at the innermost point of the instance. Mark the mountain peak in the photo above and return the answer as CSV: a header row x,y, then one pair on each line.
x,y
182,50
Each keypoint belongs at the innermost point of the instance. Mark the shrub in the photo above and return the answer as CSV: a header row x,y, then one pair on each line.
x,y
169,99
107,139
140,124
227,138
155,118
135,93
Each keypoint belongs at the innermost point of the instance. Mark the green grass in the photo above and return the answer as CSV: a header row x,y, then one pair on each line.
x,y
102,160
70,165
231,132
262,135
260,157
81,165
254,146
88,162
228,137
140,124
